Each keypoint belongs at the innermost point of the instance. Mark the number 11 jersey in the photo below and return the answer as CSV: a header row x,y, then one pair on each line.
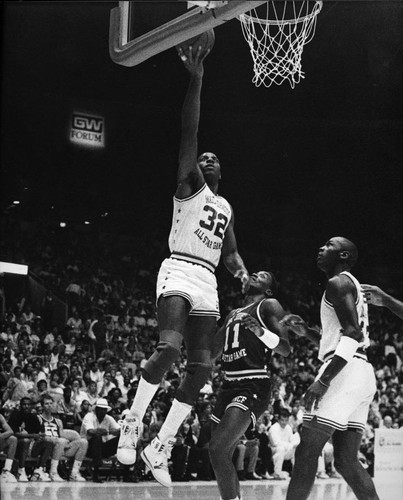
x,y
244,355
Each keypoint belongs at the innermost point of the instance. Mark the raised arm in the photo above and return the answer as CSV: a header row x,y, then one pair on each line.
x,y
377,297
190,178
231,258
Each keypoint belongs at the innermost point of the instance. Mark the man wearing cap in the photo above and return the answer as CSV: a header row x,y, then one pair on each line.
x,y
102,432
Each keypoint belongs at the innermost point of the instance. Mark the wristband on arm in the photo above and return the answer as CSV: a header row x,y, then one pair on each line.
x,y
346,348
270,339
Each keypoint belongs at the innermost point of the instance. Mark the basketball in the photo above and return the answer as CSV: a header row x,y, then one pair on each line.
x,y
205,41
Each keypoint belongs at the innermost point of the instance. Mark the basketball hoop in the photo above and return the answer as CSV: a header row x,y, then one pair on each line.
x,y
276,39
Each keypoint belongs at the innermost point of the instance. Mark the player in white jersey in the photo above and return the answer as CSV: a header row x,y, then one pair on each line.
x,y
337,403
187,302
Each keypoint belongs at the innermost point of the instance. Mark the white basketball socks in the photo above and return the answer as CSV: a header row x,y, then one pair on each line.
x,y
144,394
76,467
53,466
8,464
176,415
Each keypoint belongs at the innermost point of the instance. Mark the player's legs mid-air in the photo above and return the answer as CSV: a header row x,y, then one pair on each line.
x,y
175,326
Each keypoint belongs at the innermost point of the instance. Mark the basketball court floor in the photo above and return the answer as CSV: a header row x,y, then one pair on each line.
x,y
327,489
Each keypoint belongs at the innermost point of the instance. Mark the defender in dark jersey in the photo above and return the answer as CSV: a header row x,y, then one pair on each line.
x,y
248,337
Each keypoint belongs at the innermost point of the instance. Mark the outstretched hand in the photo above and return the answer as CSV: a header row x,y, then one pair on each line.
x,y
373,294
193,62
244,277
295,323
252,324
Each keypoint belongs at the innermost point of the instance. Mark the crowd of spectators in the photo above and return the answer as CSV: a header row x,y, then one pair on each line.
x,y
84,373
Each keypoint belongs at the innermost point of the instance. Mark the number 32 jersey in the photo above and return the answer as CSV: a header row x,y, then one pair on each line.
x,y
198,227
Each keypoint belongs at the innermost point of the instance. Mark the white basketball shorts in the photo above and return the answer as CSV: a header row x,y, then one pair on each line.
x,y
345,405
195,283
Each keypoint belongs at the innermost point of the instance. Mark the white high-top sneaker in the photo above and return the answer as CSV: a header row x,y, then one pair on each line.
x,y
156,455
40,475
130,430
77,477
22,477
7,477
54,476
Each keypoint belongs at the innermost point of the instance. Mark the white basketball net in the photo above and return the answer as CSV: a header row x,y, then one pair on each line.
x,y
276,40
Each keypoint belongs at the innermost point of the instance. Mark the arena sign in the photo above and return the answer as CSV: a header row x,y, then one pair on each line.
x,y
10,267
87,130
388,451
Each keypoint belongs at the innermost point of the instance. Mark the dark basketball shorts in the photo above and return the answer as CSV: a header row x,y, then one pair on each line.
x,y
251,395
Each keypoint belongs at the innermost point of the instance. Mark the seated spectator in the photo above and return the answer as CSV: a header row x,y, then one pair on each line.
x,y
107,385
189,432
42,372
102,432
49,340
64,372
247,452
40,390
277,404
27,315
65,408
27,429
96,374
282,443
55,389
8,444
15,390
199,458
179,456
79,416
296,415
262,425
6,373
74,323
71,346
326,467
125,387
92,393
115,400
387,422
78,394
29,376
54,357
67,443
75,369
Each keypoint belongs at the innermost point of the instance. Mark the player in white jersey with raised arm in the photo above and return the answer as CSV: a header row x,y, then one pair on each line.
x,y
337,403
187,301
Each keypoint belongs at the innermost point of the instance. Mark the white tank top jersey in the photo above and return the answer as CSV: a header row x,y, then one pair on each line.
x,y
198,227
331,328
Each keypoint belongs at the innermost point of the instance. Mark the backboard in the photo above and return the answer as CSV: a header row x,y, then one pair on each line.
x,y
140,30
